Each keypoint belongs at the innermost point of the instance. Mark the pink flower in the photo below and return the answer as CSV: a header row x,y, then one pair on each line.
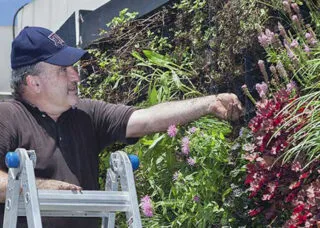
x,y
306,48
185,145
266,38
146,205
196,198
294,43
262,89
244,87
191,161
193,130
172,131
263,40
295,18
308,36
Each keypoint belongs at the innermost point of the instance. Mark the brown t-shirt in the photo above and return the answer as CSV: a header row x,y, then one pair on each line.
x,y
67,149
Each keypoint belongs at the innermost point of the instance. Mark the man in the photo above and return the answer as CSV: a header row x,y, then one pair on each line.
x,y
67,133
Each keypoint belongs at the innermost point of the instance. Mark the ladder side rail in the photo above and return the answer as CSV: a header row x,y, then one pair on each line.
x,y
12,198
111,185
30,193
127,183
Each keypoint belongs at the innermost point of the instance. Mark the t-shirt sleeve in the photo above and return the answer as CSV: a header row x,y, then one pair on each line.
x,y
110,121
7,132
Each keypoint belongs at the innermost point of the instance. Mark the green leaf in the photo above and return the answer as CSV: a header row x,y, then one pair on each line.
x,y
155,142
137,56
153,96
157,59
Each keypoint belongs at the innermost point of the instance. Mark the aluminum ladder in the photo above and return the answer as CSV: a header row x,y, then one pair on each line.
x,y
24,199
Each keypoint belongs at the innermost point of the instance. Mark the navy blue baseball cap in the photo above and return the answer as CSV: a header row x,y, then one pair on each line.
x,y
36,44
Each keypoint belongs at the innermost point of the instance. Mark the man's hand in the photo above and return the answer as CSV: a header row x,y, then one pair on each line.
x,y
227,106
56,185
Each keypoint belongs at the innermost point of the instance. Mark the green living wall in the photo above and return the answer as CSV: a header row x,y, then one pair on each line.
x,y
259,171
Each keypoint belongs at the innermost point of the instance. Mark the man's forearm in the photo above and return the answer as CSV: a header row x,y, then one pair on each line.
x,y
3,185
40,182
158,117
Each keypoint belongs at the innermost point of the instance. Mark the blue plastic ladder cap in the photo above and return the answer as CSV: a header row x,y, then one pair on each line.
x,y
134,159
12,160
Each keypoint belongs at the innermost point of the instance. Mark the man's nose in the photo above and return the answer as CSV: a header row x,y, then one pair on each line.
x,y
73,74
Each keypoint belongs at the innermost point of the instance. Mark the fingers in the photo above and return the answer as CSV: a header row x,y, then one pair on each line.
x,y
228,107
67,186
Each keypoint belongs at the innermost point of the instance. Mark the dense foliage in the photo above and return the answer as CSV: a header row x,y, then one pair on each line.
x,y
201,175
185,49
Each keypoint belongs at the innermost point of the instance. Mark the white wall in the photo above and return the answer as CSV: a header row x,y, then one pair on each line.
x,y
5,65
45,13
52,13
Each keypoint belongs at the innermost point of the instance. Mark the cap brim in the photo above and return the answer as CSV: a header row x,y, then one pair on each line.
x,y
66,56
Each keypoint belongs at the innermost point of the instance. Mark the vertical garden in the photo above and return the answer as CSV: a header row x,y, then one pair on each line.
x,y
260,171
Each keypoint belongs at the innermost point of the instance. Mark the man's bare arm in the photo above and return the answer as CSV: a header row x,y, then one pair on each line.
x,y
41,184
158,117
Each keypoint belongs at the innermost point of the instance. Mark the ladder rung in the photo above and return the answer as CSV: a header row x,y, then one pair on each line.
x,y
83,204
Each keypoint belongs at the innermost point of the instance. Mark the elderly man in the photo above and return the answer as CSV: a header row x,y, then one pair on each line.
x,y
68,133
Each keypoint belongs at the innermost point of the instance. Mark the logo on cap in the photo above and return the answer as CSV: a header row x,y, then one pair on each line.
x,y
58,42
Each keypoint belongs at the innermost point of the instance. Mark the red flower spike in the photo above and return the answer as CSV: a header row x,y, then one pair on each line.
x,y
254,212
298,209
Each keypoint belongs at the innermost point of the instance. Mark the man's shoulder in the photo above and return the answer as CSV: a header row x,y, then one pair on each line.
x,y
10,105
86,104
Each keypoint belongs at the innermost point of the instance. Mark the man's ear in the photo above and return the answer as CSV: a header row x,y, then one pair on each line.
x,y
33,83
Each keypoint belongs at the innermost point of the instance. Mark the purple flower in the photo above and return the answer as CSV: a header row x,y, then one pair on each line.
x,y
241,132
146,205
263,40
294,43
196,198
266,38
193,130
308,36
289,51
295,8
185,145
295,18
172,131
291,86
306,48
286,6
263,70
281,70
262,89
191,161
282,30
175,176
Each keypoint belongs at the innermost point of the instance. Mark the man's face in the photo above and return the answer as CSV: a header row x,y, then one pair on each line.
x,y
59,85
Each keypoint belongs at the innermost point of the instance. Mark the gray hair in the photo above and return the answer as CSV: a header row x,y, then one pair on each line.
x,y
18,78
